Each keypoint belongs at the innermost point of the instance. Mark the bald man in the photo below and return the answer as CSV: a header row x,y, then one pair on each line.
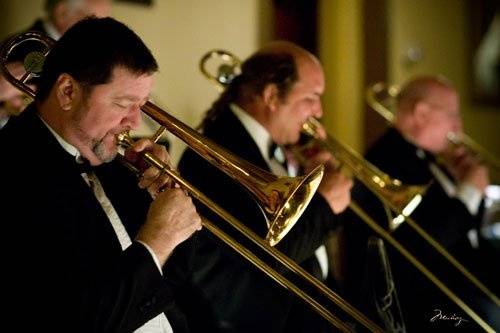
x,y
278,89
416,150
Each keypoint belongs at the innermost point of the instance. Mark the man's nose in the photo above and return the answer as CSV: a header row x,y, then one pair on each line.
x,y
457,126
133,118
317,111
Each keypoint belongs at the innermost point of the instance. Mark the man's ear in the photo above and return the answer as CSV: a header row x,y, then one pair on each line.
x,y
421,112
67,91
270,96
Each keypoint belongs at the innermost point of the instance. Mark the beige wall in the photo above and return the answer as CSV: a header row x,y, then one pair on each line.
x,y
178,32
440,30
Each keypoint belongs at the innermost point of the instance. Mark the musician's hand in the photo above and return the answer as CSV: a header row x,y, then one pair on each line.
x,y
336,189
467,168
172,218
314,156
151,178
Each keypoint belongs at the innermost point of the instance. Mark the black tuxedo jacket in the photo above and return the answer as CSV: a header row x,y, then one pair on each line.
x,y
242,298
444,218
64,267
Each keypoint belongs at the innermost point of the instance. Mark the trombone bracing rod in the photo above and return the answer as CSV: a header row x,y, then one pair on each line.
x,y
287,262
384,234
389,116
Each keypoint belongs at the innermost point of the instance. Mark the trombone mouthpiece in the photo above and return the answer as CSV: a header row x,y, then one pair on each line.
x,y
124,139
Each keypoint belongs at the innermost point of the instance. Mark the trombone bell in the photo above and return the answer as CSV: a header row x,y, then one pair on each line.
x,y
283,199
300,192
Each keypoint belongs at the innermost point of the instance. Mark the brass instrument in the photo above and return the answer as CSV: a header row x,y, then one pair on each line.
x,y
401,198
291,193
33,63
226,70
372,96
376,102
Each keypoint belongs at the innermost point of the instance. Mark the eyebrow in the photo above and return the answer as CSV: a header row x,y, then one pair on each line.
x,y
132,98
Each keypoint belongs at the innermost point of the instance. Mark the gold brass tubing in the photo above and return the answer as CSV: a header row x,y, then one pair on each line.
x,y
287,262
384,234
436,245
158,134
287,284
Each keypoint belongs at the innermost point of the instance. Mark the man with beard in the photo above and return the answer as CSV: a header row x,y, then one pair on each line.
x,y
85,246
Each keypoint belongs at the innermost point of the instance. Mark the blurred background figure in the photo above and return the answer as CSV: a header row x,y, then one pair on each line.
x,y
60,15
417,151
12,100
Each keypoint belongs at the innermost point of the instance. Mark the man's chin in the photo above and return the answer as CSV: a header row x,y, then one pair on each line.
x,y
105,154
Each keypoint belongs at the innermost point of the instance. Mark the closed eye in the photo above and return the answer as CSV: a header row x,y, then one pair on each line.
x,y
121,106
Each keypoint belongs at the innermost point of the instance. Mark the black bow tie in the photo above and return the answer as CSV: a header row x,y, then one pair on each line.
x,y
277,153
84,165
426,156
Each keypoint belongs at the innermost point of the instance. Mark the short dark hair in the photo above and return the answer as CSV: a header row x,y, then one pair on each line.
x,y
90,50
261,69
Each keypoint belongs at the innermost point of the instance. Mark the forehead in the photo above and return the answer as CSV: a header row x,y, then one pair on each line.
x,y
310,75
443,96
124,81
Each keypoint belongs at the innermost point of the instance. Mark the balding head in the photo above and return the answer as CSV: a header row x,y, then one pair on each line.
x,y
280,86
285,47
427,110
420,89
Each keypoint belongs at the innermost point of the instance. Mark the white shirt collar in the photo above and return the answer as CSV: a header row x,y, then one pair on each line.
x,y
51,30
68,147
258,132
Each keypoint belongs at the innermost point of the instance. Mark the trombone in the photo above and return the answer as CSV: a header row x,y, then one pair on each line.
x,y
402,199
283,198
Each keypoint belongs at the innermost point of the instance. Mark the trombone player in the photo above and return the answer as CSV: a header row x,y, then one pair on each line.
x,y
86,246
416,150
264,107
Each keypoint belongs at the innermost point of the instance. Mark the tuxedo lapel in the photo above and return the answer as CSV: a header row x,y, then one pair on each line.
x,y
397,157
51,167
229,132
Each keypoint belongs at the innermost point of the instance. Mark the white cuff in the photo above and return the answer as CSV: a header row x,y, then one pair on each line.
x,y
470,196
155,258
